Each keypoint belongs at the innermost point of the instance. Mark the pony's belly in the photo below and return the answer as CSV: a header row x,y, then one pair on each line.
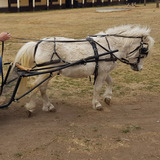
x,y
79,71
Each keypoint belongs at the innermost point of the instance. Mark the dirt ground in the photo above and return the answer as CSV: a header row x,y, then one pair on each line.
x,y
128,129
122,131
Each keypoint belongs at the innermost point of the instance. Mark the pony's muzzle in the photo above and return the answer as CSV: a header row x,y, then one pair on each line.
x,y
136,67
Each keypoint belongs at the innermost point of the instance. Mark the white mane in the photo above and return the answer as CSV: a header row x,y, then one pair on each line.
x,y
128,30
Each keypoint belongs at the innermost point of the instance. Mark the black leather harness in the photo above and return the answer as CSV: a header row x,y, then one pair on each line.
x,y
83,61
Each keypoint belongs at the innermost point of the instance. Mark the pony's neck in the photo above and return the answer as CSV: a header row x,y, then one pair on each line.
x,y
119,43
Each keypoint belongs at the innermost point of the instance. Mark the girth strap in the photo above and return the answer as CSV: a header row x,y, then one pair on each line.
x,y
93,44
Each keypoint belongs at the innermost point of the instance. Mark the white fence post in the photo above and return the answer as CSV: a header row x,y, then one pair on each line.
x,y
18,4
47,2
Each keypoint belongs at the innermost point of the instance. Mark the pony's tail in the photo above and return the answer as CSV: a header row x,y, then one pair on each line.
x,y
25,57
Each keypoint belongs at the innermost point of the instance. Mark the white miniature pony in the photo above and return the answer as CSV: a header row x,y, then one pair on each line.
x,y
132,42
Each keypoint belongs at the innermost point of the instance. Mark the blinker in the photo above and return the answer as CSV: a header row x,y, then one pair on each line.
x,y
144,50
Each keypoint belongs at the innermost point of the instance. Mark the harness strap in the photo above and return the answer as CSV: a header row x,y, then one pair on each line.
x,y
108,43
111,55
35,50
54,53
93,44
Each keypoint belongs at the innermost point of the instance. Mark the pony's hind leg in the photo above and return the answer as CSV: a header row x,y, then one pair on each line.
x,y
108,93
31,105
47,105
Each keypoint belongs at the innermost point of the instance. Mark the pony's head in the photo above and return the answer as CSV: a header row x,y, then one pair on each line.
x,y
139,53
134,44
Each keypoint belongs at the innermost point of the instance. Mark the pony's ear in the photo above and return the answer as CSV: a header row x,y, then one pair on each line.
x,y
151,42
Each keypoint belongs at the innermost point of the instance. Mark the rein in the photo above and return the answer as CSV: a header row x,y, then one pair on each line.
x,y
114,35
25,40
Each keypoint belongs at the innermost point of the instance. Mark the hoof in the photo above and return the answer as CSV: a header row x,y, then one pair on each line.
x,y
107,101
29,114
52,110
49,108
98,106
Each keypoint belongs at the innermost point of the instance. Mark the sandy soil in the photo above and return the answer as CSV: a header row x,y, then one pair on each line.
x,y
122,131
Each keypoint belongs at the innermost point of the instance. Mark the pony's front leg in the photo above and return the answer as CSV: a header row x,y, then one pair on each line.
x,y
108,93
96,91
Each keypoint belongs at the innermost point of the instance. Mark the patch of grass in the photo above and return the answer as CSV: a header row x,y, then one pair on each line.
x,y
127,130
121,90
131,128
137,127
95,129
87,140
118,139
18,154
